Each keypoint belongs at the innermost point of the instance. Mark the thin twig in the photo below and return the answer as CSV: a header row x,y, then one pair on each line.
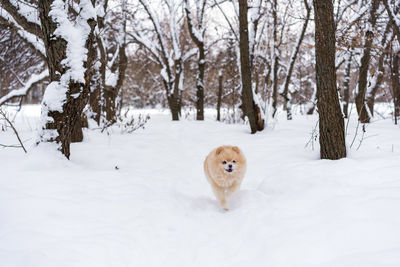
x,y
15,130
12,146
313,136
355,135
362,137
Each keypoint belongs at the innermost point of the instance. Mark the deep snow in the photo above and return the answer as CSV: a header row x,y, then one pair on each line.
x,y
157,208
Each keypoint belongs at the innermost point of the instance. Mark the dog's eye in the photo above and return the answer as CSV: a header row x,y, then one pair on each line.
x,y
224,162
234,161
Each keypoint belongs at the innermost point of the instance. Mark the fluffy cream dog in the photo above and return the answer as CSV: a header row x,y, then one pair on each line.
x,y
225,167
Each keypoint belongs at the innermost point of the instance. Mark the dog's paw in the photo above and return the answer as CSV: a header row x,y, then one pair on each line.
x,y
224,204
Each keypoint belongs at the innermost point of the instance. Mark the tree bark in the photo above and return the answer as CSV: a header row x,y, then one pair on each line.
x,y
219,101
346,84
103,97
276,60
362,111
395,77
111,92
376,81
64,122
200,85
251,110
174,107
199,41
395,26
331,123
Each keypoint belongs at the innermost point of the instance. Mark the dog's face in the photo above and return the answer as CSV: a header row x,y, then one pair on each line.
x,y
229,159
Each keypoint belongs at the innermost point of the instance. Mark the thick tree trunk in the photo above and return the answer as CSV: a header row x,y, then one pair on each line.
x,y
174,107
362,111
331,123
219,101
110,96
77,134
64,122
252,111
173,99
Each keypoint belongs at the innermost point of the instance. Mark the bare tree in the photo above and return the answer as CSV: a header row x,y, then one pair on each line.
x,y
252,110
393,9
167,51
362,108
111,42
346,83
290,68
395,78
331,123
275,57
20,36
219,100
197,35
69,68
68,59
377,74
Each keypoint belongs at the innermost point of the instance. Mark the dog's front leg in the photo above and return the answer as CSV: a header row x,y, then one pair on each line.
x,y
221,195
233,188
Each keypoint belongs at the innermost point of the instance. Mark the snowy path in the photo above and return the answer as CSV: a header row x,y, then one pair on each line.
x,y
158,210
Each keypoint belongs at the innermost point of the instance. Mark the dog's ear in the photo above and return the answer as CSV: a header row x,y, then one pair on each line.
x,y
219,150
236,149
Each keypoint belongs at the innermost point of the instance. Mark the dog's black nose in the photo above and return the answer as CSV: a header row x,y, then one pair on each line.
x,y
230,166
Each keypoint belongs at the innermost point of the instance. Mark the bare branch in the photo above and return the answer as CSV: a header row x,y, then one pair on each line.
x,y
27,25
12,126
34,80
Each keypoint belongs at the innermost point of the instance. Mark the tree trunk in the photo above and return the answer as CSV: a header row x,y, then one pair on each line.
x,y
252,111
111,92
376,81
103,97
286,92
110,96
95,103
331,123
362,111
64,121
276,61
199,83
197,35
174,99
219,101
346,84
174,107
96,89
77,134
395,77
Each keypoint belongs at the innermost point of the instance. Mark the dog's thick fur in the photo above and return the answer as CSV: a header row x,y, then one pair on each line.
x,y
225,180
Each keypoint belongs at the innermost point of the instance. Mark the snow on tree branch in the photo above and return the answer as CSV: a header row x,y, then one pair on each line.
x,y
31,39
33,80
25,15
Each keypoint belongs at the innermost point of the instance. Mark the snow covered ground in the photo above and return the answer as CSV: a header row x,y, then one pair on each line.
x,y
142,199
